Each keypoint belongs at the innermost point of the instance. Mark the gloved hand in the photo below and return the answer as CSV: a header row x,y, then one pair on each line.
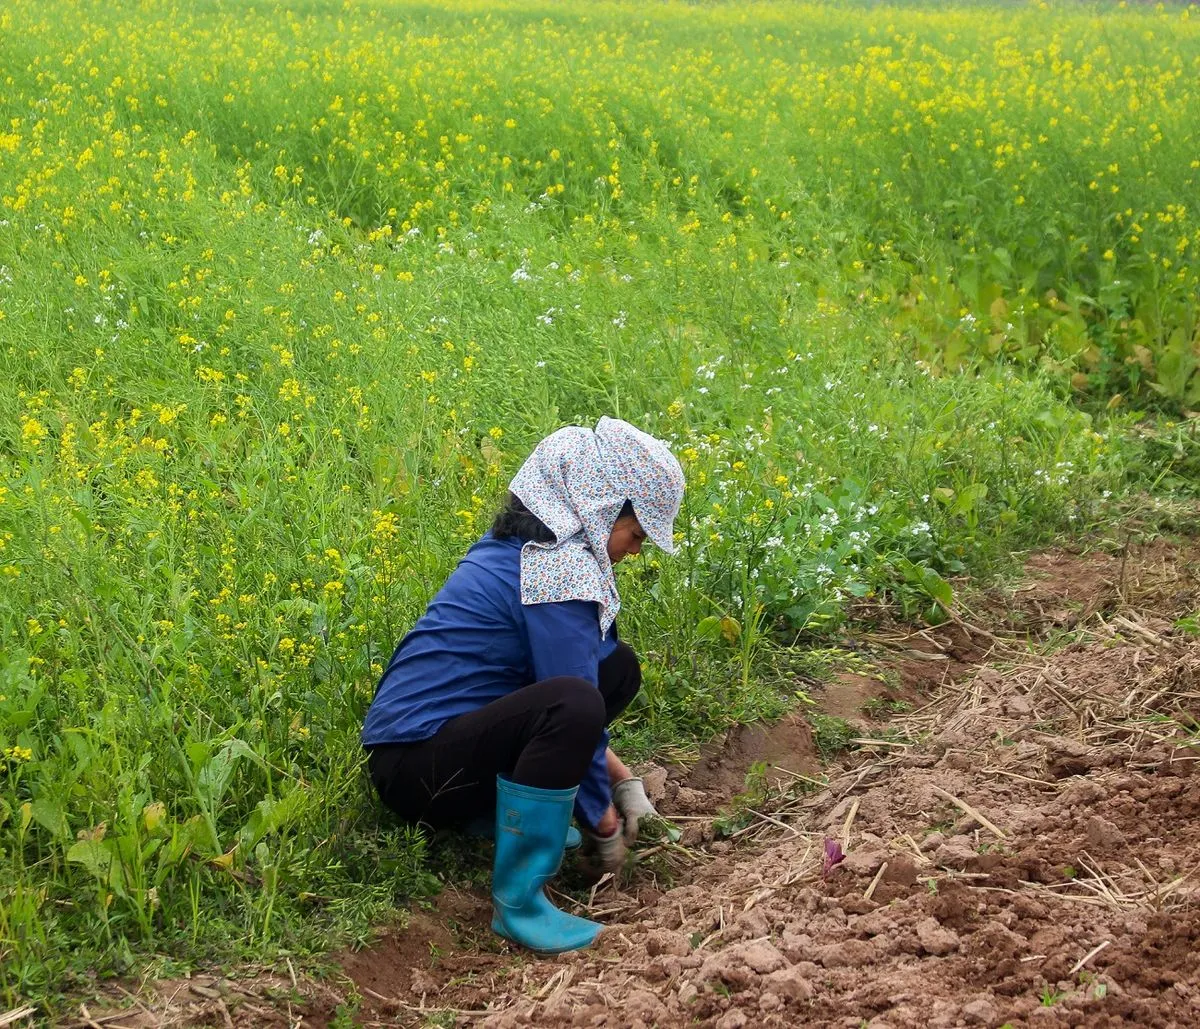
x,y
630,800
600,854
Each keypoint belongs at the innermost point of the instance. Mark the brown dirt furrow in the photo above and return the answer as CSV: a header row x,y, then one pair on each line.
x,y
1022,850
1032,857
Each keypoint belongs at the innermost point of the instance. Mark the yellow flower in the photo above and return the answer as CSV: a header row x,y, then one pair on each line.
x,y
32,431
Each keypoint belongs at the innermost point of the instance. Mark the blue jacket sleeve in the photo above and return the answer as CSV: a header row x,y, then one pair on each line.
x,y
564,639
595,792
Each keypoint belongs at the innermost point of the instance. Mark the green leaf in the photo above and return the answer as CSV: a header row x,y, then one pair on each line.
x,y
51,817
186,837
94,856
99,858
268,816
937,587
198,753
969,498
213,780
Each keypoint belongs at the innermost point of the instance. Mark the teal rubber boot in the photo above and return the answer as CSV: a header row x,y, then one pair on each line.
x,y
531,825
485,829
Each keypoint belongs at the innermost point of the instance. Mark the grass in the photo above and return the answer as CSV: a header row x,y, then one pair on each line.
x,y
286,295
831,734
1050,996
880,707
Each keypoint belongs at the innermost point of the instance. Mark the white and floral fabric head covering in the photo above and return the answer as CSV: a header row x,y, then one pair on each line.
x,y
576,481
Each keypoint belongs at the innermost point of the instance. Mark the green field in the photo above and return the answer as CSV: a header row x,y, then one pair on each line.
x,y
288,292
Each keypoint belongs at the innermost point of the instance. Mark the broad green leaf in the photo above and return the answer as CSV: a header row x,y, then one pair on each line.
x,y
214,777
94,855
185,837
270,815
937,587
51,817
99,858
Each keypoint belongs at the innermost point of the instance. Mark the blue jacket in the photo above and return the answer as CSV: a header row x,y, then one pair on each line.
x,y
476,643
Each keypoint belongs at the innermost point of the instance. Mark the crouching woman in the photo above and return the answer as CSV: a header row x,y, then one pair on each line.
x,y
496,704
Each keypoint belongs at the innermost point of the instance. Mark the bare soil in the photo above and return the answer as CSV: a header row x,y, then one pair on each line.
x,y
1022,848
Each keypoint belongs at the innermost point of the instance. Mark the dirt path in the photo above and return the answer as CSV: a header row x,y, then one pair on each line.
x,y
1022,850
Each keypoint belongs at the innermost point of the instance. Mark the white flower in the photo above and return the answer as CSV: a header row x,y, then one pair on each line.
x,y
521,274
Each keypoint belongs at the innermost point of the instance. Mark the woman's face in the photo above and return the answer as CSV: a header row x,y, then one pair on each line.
x,y
627,537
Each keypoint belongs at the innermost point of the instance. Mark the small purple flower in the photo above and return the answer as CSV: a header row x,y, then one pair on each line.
x,y
833,856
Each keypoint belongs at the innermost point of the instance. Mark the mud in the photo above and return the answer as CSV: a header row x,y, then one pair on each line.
x,y
1063,590
782,747
1032,862
1023,849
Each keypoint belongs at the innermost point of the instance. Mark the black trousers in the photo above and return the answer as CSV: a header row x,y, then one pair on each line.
x,y
543,735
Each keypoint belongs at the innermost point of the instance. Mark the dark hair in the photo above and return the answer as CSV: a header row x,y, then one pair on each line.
x,y
515,519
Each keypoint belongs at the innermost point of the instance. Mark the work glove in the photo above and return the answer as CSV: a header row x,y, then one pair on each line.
x,y
600,854
632,804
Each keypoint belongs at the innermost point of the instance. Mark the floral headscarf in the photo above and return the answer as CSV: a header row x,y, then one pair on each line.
x,y
576,481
